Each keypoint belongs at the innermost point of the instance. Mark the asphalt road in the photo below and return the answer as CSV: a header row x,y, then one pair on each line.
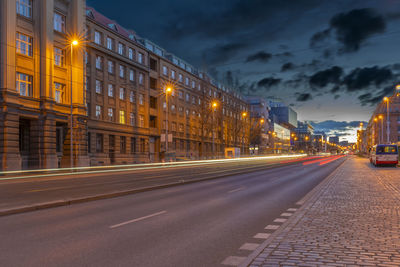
x,y
21,191
198,224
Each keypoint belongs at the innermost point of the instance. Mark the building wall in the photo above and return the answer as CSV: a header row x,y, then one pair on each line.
x,y
35,128
31,117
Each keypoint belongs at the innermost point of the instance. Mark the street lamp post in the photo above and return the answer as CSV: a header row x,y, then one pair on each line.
x,y
244,115
73,43
168,90
374,131
386,99
381,135
214,106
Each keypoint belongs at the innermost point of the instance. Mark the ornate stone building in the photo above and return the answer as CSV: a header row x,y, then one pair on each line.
x,y
113,82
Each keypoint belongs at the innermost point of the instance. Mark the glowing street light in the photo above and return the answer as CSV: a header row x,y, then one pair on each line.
x,y
386,99
73,43
168,90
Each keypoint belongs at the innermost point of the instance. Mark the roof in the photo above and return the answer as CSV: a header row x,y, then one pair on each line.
x,y
111,24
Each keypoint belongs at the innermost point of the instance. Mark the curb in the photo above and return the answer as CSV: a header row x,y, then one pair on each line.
x,y
309,197
60,203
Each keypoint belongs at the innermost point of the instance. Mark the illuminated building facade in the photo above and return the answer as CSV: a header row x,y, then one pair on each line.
x,y
115,88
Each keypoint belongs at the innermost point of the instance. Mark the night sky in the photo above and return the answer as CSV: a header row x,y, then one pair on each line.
x,y
332,61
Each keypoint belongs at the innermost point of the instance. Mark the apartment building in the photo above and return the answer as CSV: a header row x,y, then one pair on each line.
x,y
38,88
112,82
377,128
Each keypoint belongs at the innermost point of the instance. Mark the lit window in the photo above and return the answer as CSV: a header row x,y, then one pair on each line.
x,y
121,71
165,70
110,114
141,78
99,62
24,44
130,53
24,84
122,117
110,43
111,90
131,75
110,67
141,99
98,111
132,119
122,93
97,37
58,57
59,92
141,121
99,87
132,96
121,48
59,22
24,8
140,58
172,107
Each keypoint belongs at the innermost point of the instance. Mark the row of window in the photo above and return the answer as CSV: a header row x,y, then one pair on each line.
x,y
180,78
24,8
122,70
24,87
110,45
122,118
123,145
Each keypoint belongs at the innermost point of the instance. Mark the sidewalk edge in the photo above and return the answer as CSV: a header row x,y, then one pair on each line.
x,y
308,198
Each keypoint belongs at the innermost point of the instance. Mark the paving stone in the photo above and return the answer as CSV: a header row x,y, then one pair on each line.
x,y
353,220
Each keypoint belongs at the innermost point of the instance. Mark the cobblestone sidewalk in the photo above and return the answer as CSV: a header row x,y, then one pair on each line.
x,y
354,220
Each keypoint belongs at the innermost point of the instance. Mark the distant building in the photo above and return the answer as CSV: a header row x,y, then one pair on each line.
x,y
284,115
334,139
260,140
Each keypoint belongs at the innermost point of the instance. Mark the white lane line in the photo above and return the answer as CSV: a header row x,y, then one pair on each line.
x,y
138,219
237,189
249,246
291,209
262,235
280,220
233,260
271,227
286,214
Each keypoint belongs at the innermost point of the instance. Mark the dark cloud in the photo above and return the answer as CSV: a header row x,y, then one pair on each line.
x,y
268,82
325,77
337,96
223,52
319,37
361,78
303,97
354,27
287,66
259,56
351,29
373,99
332,127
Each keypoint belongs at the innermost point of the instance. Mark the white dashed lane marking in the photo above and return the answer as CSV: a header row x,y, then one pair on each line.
x,y
249,246
233,260
138,219
237,189
286,214
292,209
272,227
280,220
261,235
